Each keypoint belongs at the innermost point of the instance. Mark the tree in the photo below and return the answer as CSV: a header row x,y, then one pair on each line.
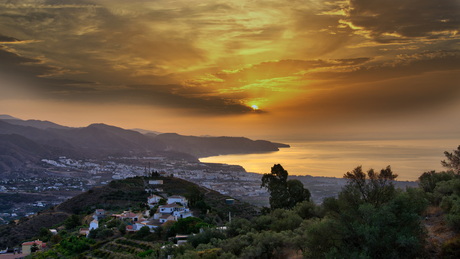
x,y
283,193
453,160
372,187
282,220
72,222
429,180
370,219
187,226
34,248
143,232
275,182
266,244
194,195
296,193
205,236
45,234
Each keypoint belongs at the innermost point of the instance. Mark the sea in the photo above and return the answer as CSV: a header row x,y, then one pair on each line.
x,y
407,158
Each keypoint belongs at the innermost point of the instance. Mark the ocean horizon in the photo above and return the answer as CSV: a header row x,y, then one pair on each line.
x,y
407,158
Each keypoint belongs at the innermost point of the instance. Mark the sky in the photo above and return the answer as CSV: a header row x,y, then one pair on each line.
x,y
279,70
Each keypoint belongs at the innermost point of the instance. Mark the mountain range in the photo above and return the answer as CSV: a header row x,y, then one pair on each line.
x,y
26,142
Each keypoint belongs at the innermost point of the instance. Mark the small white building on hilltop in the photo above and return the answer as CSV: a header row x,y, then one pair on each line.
x,y
156,182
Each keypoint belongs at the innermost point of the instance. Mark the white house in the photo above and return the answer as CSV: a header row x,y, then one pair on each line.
x,y
94,224
169,208
152,224
154,182
177,198
153,200
182,214
167,217
137,226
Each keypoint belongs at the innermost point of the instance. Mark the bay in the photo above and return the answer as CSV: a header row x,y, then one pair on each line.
x,y
408,158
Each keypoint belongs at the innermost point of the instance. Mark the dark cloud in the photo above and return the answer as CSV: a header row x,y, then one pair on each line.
x,y
15,64
386,99
162,96
403,65
4,38
33,70
116,52
409,84
408,18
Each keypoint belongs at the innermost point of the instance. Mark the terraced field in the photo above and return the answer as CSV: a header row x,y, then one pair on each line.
x,y
123,248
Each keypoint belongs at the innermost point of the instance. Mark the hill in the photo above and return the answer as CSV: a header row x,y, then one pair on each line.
x,y
33,123
213,146
98,141
117,196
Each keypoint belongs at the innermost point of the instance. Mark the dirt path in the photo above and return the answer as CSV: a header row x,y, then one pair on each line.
x,y
438,232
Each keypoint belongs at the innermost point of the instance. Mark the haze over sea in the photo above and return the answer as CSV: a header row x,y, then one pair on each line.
x,y
408,158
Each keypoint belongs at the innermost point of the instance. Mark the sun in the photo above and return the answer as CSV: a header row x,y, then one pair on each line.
x,y
255,107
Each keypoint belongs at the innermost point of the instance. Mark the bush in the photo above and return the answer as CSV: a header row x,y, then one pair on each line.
x,y
186,226
451,248
145,253
206,236
72,222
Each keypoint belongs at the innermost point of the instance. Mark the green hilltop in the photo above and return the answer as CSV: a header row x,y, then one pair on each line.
x,y
118,196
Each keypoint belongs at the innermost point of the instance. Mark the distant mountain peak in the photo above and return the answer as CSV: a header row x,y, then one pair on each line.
x,y
144,131
103,126
7,117
100,125
31,123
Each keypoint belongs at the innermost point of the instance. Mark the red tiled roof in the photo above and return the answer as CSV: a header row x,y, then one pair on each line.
x,y
129,215
31,243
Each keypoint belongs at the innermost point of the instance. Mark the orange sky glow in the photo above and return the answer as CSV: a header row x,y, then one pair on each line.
x,y
280,70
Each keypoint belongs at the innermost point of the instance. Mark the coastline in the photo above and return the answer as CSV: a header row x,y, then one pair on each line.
x,y
408,158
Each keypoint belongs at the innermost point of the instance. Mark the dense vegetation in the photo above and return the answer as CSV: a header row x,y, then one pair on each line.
x,y
370,218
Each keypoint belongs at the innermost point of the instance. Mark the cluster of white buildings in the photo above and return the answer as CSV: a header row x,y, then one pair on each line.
x,y
118,170
175,208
